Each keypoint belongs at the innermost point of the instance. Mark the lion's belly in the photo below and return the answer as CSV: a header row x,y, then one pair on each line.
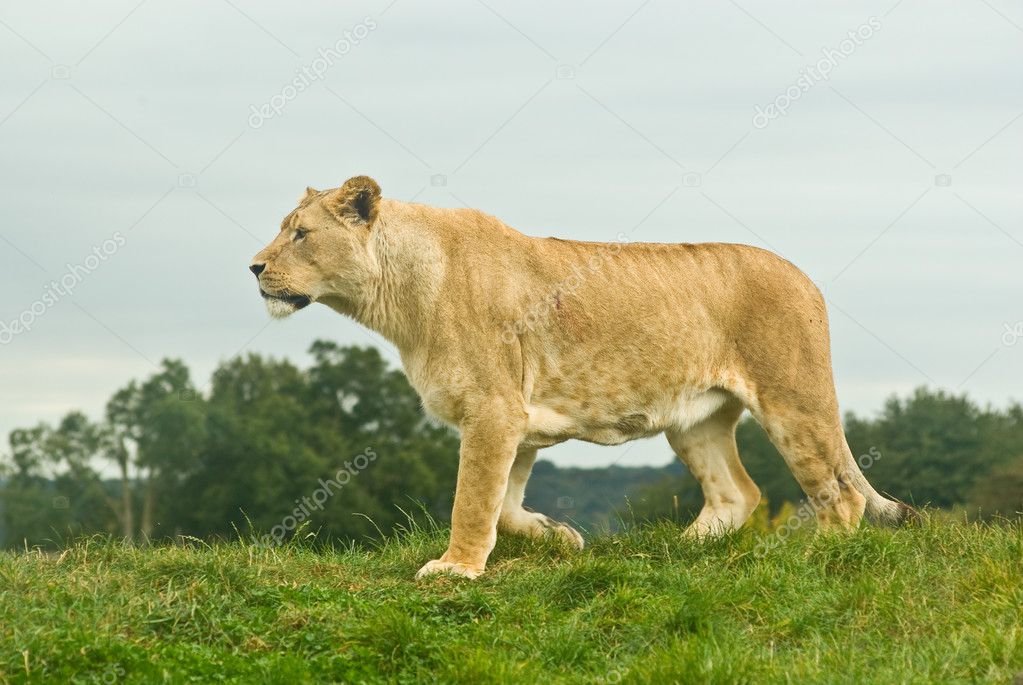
x,y
580,421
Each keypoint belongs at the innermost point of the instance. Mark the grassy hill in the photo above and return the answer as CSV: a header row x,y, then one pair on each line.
x,y
940,603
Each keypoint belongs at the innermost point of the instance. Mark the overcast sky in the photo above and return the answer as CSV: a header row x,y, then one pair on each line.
x,y
128,132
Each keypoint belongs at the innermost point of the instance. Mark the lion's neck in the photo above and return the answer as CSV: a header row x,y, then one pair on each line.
x,y
402,287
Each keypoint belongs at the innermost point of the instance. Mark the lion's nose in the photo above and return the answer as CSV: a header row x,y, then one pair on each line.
x,y
257,269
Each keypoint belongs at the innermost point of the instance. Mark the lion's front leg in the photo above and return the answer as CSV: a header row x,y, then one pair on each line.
x,y
487,452
519,520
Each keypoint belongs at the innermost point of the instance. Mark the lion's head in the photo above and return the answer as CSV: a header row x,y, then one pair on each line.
x,y
321,251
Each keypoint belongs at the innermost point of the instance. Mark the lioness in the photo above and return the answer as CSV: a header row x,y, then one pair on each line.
x,y
522,343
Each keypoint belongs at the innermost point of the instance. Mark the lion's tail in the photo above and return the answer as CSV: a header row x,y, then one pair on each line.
x,y
879,507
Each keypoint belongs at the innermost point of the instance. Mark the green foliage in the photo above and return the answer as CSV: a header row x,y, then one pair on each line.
x,y
935,603
51,491
1000,492
934,445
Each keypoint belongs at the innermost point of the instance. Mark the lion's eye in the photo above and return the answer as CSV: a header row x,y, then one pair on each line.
x,y
299,234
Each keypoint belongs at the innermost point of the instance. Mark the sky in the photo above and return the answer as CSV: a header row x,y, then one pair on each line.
x,y
149,149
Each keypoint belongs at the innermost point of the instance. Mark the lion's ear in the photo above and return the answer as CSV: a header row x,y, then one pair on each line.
x,y
357,201
309,192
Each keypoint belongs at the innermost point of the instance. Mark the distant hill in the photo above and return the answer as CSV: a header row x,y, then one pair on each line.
x,y
591,497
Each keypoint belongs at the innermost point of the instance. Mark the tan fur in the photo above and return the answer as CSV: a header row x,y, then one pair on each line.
x,y
522,343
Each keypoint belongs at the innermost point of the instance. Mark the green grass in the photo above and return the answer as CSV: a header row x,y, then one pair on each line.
x,y
939,603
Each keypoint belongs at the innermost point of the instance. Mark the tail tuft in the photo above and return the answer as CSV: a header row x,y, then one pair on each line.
x,y
879,508
908,516
891,512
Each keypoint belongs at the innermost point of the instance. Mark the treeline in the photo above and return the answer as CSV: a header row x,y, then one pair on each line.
x,y
343,449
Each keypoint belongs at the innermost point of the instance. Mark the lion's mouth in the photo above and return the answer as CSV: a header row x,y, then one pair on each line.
x,y
296,301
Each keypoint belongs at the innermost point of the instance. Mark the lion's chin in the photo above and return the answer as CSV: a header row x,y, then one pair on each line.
x,y
280,308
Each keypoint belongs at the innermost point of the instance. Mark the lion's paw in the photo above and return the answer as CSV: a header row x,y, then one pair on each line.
x,y
448,567
569,535
566,533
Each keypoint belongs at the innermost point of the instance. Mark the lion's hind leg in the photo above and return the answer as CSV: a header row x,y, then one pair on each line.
x,y
520,520
709,452
815,450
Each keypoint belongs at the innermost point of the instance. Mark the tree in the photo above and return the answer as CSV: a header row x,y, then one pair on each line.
x,y
1000,492
53,490
934,445
262,450
74,448
359,396
121,429
277,435
158,426
27,491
